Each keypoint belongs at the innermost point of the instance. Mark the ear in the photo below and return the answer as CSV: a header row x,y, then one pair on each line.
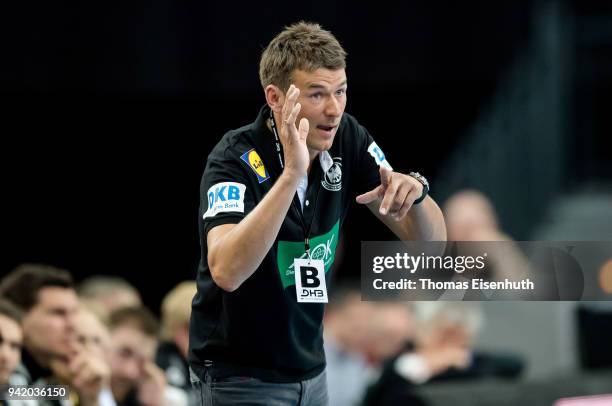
x,y
275,98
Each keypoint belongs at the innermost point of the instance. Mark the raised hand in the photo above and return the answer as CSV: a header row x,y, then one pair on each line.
x,y
293,139
396,193
86,373
152,385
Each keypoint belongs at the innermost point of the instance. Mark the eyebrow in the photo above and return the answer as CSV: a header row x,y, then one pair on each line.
x,y
319,86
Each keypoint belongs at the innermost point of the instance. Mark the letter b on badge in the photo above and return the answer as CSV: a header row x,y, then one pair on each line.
x,y
309,277
310,281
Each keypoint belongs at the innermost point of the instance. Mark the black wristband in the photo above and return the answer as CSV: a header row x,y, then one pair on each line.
x,y
423,195
423,182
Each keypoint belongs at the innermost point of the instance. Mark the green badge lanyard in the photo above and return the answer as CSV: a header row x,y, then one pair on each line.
x,y
279,152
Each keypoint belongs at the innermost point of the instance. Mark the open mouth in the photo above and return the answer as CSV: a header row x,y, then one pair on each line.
x,y
326,130
326,127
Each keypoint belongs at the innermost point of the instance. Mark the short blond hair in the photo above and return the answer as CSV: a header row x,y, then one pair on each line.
x,y
304,46
176,308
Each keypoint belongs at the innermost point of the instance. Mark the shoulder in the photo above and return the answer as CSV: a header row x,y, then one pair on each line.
x,y
352,132
353,137
350,124
21,376
232,143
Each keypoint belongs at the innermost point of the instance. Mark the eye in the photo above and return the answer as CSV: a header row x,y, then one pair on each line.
x,y
340,92
316,96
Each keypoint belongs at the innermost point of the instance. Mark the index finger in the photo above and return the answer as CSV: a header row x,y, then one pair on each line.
x,y
292,95
387,200
385,175
153,371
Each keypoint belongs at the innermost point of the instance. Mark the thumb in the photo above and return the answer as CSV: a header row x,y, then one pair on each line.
x,y
370,196
304,127
385,176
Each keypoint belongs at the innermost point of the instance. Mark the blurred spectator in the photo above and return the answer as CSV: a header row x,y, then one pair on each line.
x,y
108,293
172,351
87,372
470,216
92,332
442,351
390,329
345,333
47,297
11,340
359,337
444,338
135,379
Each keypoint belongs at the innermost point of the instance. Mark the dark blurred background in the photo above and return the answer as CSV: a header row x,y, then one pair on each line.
x,y
111,108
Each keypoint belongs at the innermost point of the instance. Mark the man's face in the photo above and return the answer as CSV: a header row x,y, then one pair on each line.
x,y
49,326
323,100
10,347
92,334
130,350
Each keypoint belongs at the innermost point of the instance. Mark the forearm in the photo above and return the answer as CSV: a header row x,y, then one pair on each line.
x,y
423,222
234,256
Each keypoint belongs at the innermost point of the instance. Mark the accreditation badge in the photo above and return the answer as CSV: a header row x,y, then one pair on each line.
x,y
310,280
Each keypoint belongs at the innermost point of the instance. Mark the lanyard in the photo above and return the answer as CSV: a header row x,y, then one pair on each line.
x,y
278,144
300,214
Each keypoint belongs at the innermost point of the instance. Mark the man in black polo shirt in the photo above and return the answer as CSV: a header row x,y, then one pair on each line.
x,y
274,195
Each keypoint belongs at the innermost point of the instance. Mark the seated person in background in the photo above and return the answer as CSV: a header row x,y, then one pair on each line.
x,y
135,379
442,351
172,351
49,304
359,337
11,340
92,341
345,333
388,331
92,332
108,293
470,216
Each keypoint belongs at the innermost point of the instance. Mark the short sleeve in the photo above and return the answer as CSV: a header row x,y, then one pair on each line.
x,y
225,196
369,157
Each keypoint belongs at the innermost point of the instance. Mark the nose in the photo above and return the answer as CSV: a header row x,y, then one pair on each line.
x,y
71,321
333,107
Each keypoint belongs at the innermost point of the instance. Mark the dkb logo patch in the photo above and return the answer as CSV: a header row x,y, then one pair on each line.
x,y
225,197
